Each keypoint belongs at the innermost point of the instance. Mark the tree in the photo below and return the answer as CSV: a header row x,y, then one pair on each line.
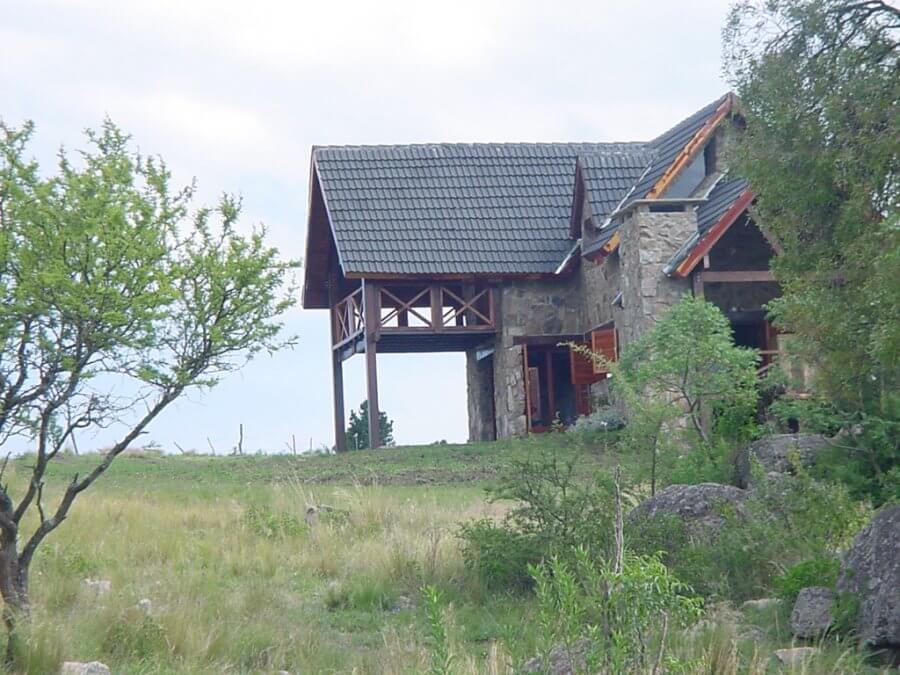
x,y
686,367
105,275
358,429
820,93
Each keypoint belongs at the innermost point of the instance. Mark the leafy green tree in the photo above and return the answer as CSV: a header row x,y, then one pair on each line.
x,y
105,276
820,93
358,429
686,367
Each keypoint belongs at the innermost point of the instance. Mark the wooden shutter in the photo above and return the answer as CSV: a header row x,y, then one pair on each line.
x,y
582,367
605,342
582,399
526,377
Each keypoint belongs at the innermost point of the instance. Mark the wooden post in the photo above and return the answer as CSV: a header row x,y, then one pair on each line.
x,y
372,317
337,374
437,319
697,281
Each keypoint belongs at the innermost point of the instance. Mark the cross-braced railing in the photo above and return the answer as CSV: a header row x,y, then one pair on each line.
x,y
348,317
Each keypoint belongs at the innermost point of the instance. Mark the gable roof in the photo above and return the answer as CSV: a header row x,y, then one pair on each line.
x,y
452,208
497,209
607,178
725,203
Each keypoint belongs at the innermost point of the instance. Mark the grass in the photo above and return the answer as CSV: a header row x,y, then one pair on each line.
x,y
239,583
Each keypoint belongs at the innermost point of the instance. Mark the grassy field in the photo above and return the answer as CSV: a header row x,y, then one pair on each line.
x,y
239,583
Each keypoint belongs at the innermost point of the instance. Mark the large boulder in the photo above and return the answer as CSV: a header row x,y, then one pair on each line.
x,y
700,507
870,571
776,455
811,616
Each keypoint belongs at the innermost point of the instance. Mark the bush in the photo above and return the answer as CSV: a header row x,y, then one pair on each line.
x,y
607,418
814,572
618,613
498,555
787,522
555,512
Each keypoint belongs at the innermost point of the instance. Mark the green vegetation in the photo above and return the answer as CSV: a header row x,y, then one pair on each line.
x,y
358,428
117,296
818,86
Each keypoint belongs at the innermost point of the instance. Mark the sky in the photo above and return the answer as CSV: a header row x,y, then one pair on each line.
x,y
235,93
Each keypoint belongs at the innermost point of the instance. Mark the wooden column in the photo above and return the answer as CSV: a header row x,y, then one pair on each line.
x,y
373,323
697,282
337,374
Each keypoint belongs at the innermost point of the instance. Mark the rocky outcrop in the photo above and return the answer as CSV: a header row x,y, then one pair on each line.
x,y
78,668
776,455
811,616
870,572
700,507
795,656
562,661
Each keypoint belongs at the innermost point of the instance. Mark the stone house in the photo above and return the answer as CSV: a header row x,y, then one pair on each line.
x,y
504,251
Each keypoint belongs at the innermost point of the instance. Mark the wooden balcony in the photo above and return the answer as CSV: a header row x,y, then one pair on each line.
x,y
415,317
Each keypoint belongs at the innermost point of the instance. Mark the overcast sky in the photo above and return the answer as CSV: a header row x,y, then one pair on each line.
x,y
235,93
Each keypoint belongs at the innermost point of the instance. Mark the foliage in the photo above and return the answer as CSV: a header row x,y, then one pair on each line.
x,y
556,510
686,366
270,525
116,300
607,418
619,613
498,555
821,571
358,428
819,94
441,654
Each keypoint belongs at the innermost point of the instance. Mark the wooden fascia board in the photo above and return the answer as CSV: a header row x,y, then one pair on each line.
x,y
692,147
605,250
378,276
708,240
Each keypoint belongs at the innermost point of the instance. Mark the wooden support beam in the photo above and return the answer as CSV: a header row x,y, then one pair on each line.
x,y
697,283
372,313
337,373
437,320
742,276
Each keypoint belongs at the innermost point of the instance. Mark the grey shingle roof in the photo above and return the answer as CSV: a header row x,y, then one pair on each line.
x,y
609,177
667,145
719,200
456,208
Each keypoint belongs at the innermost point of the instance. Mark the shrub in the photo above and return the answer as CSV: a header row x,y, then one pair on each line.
x,y
607,418
556,511
270,525
618,612
787,522
498,555
813,572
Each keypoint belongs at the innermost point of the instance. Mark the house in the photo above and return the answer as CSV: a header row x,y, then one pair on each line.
x,y
505,250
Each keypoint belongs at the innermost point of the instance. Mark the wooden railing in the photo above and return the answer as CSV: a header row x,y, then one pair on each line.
x,y
423,307
435,307
348,317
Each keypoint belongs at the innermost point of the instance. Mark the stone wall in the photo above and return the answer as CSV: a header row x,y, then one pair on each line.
x,y
480,391
546,307
648,241
599,286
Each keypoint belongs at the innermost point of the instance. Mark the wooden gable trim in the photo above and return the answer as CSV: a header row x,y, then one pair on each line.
x,y
685,157
708,240
693,147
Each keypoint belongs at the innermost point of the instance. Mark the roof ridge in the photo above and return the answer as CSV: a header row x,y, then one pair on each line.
x,y
706,110
478,144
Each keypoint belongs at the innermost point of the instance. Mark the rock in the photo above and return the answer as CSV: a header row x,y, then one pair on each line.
x,y
775,453
78,668
98,586
560,661
811,616
795,656
145,605
752,634
700,507
870,571
760,605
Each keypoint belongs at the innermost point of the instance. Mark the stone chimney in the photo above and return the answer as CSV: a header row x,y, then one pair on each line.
x,y
650,234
